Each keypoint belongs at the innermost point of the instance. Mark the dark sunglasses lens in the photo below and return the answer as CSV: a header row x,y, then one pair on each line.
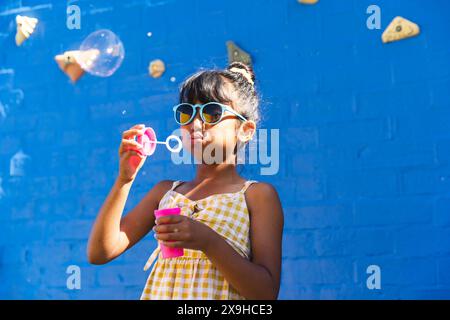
x,y
183,113
212,112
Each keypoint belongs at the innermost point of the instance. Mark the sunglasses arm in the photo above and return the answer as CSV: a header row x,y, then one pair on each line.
x,y
237,114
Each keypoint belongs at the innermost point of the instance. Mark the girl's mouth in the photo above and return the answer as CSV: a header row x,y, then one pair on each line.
x,y
197,136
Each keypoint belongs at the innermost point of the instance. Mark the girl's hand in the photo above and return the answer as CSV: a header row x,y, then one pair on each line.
x,y
131,159
184,232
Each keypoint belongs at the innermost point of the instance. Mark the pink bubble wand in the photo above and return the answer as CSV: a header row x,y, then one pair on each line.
x,y
148,141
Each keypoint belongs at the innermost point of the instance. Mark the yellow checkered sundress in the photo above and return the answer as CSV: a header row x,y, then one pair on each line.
x,y
193,276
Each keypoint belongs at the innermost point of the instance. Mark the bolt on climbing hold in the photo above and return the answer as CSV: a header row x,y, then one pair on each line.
x,y
70,62
236,54
400,28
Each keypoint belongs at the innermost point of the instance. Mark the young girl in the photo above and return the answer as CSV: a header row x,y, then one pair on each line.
x,y
230,227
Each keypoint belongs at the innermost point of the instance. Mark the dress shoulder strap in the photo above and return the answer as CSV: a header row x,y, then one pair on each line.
x,y
247,184
175,184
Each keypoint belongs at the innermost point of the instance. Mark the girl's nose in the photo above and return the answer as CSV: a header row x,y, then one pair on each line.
x,y
197,122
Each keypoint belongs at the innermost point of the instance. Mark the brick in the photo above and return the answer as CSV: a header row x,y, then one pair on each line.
x,y
427,181
6,78
70,230
300,138
355,132
336,106
298,292
357,183
121,276
373,242
441,216
420,241
422,125
318,216
396,211
317,271
438,93
298,244
443,268
442,151
396,154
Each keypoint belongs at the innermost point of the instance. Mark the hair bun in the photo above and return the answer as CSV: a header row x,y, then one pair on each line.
x,y
245,70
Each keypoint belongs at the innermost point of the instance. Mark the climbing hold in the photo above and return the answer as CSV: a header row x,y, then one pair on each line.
x,y
308,1
25,27
70,62
19,164
156,68
400,28
236,54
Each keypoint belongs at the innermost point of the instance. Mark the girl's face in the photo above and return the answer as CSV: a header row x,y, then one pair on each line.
x,y
211,143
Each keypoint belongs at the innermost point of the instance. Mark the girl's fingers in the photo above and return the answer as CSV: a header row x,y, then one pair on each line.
x,y
166,228
174,244
170,219
131,143
128,152
130,134
128,149
170,236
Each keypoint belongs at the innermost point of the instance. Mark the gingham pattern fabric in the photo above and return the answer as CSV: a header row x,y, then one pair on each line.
x,y
193,276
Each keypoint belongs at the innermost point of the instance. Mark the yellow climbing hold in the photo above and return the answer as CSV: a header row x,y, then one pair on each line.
x,y
400,28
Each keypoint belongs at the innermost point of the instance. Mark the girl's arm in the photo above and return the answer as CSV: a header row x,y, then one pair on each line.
x,y
260,277
111,234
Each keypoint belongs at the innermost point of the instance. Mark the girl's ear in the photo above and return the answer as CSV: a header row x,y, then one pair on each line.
x,y
246,131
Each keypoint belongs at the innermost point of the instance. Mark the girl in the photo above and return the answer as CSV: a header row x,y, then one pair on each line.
x,y
230,228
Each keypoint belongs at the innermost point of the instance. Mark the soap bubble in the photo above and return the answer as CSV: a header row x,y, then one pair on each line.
x,y
101,53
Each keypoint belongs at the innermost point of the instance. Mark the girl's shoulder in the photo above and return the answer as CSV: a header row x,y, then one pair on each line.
x,y
164,184
259,189
162,187
261,197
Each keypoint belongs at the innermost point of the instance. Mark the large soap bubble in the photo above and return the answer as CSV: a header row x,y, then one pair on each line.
x,y
101,53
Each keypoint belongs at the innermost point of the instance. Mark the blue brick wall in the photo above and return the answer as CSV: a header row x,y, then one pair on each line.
x,y
364,173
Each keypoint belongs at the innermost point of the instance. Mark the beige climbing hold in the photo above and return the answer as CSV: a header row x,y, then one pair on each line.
x,y
71,62
25,27
400,28
156,68
308,1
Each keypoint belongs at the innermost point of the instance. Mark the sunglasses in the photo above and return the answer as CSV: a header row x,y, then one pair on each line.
x,y
210,113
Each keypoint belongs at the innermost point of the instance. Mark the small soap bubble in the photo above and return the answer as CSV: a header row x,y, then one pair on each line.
x,y
149,34
101,53
173,79
124,111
